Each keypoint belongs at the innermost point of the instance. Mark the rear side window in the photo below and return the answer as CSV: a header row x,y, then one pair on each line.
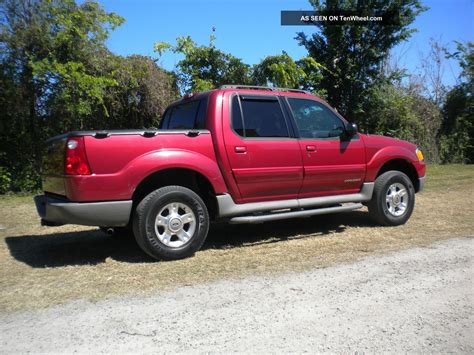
x,y
188,115
236,115
201,115
260,117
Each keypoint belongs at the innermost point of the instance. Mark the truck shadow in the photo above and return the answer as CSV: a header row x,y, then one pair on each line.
x,y
93,247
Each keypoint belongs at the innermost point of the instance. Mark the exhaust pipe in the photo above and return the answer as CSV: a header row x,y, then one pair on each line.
x,y
109,231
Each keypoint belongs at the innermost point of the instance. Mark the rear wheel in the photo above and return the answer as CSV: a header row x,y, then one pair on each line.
x,y
393,199
171,223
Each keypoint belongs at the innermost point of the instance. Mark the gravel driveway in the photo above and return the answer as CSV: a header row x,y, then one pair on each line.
x,y
419,300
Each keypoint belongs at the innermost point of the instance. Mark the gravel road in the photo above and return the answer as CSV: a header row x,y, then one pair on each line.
x,y
419,300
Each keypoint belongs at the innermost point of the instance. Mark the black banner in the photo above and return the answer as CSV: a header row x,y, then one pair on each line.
x,y
311,18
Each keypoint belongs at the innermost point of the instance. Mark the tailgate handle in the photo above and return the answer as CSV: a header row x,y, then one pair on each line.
x,y
240,149
311,148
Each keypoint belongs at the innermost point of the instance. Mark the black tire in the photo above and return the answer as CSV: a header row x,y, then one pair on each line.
x,y
378,208
147,211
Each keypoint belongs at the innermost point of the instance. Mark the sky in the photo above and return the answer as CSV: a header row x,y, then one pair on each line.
x,y
251,30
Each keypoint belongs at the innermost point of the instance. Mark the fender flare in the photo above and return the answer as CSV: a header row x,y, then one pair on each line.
x,y
145,165
386,154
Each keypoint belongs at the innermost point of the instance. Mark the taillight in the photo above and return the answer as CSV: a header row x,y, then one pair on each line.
x,y
75,162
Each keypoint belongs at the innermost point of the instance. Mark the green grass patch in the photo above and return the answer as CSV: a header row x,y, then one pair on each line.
x,y
448,176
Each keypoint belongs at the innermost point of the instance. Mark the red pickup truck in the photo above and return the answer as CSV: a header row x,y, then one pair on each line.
x,y
239,153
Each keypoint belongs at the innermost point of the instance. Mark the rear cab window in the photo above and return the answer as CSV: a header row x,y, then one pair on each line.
x,y
255,116
186,115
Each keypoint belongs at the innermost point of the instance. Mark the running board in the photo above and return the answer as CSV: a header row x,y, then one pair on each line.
x,y
228,208
294,214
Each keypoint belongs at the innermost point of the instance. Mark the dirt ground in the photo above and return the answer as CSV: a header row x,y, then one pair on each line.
x,y
41,266
419,300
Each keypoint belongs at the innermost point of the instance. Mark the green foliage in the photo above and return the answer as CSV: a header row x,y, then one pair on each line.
x,y
454,146
57,75
142,93
406,116
353,55
278,70
457,130
161,47
313,76
49,76
5,180
283,71
79,91
205,67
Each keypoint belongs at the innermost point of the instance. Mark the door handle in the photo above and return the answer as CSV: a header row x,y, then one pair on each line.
x,y
311,148
240,149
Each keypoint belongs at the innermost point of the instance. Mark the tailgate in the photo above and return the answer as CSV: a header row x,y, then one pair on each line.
x,y
53,166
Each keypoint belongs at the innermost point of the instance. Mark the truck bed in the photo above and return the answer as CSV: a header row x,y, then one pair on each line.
x,y
112,156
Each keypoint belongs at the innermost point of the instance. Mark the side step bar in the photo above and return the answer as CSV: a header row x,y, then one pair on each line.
x,y
228,208
294,214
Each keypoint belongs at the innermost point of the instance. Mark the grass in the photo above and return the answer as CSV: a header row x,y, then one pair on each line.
x,y
41,267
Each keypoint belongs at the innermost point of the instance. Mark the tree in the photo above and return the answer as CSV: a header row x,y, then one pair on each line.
x,y
49,52
353,54
457,130
433,71
143,92
397,111
205,67
283,71
278,70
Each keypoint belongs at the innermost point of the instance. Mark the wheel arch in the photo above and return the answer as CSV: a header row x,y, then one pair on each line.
x,y
184,177
403,166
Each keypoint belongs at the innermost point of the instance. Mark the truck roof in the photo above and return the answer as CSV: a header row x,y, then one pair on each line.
x,y
263,88
246,88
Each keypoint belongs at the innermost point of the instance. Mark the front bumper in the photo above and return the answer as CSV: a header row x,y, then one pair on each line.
x,y
421,184
54,211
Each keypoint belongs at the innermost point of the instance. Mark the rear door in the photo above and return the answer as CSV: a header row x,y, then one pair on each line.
x,y
332,165
264,156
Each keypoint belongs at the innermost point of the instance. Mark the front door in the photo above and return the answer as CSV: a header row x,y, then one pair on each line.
x,y
332,165
265,159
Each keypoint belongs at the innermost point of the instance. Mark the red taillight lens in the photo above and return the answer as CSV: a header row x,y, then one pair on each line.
x,y
76,159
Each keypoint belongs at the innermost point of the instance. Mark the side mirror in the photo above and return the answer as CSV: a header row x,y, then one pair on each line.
x,y
351,130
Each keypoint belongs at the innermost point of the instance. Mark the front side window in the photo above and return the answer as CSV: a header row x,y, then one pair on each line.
x,y
314,120
260,117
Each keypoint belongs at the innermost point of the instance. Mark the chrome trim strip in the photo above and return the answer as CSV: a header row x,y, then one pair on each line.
x,y
294,214
228,208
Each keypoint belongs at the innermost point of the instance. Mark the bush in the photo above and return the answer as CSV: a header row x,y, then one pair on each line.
x,y
5,180
26,180
406,116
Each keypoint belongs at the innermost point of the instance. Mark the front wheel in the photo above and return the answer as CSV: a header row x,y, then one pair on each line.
x,y
393,199
171,223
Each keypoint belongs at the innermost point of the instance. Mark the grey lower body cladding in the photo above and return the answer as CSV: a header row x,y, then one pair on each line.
x,y
54,211
228,208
